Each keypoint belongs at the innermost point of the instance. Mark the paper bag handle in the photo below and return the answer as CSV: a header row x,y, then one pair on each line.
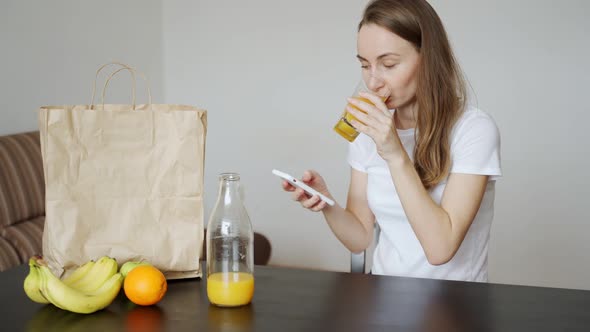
x,y
98,72
133,72
123,66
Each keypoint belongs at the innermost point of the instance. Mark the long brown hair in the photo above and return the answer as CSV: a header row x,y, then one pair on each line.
x,y
441,92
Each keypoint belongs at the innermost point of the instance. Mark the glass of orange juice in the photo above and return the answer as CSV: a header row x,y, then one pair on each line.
x,y
343,127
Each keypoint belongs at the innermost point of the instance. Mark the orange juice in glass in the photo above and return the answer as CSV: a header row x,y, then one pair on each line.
x,y
343,126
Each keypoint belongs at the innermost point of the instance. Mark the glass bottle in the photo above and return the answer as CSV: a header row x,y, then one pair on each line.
x,y
230,247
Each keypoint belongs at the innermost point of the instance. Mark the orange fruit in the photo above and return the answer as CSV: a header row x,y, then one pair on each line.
x,y
145,285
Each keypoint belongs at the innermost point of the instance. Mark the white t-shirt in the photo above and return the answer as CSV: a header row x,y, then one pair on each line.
x,y
475,149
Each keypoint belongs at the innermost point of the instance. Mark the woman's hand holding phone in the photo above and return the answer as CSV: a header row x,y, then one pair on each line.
x,y
304,192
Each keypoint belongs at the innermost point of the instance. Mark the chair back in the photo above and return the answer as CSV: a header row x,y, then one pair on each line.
x,y
358,261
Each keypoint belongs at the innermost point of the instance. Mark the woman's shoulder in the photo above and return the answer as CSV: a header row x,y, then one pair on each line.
x,y
474,114
475,120
475,144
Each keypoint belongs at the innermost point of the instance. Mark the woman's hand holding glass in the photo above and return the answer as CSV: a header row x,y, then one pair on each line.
x,y
344,126
376,121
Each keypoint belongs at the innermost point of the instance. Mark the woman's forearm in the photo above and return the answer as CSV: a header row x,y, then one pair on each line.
x,y
355,236
430,222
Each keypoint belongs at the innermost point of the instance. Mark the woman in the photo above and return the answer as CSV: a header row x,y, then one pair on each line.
x,y
425,164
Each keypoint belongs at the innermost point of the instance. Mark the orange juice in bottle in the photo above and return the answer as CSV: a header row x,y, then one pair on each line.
x,y
230,289
230,254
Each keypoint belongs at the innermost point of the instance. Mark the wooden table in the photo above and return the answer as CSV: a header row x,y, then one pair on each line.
x,y
304,300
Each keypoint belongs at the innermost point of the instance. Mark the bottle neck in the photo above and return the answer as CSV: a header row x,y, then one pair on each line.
x,y
229,189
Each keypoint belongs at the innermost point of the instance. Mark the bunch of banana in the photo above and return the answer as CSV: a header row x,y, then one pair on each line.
x,y
91,287
32,282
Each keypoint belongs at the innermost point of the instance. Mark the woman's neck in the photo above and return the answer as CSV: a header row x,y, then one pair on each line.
x,y
405,116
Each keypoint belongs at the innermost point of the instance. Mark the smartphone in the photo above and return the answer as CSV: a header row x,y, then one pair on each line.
x,y
298,183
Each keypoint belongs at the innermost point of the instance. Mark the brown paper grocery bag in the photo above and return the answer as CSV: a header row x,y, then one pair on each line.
x,y
125,181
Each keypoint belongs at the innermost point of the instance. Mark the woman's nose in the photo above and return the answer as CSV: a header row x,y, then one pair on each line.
x,y
374,83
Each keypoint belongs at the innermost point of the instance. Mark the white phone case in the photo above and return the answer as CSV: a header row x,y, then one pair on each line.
x,y
309,190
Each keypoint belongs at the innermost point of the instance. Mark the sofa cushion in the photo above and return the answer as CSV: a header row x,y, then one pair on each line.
x,y
25,237
22,186
8,255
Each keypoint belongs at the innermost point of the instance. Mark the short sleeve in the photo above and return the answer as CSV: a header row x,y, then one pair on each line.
x,y
475,146
359,152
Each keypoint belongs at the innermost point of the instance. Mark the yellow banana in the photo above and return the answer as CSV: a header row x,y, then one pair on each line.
x,y
68,298
32,283
79,273
98,274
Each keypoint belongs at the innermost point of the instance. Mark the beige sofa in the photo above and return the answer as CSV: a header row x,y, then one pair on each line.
x,y
22,198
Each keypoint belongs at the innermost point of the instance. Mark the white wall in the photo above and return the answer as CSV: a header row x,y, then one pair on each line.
x,y
50,51
528,63
274,74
